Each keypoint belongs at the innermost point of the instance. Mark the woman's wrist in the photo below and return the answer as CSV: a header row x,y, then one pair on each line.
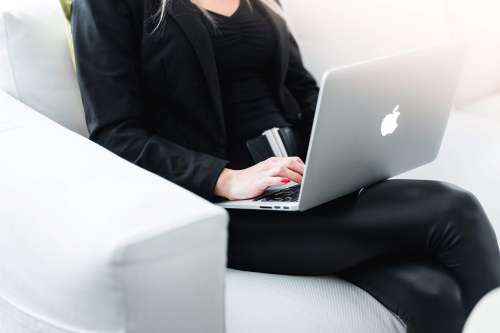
x,y
223,185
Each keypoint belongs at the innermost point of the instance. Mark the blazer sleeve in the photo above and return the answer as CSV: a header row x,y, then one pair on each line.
x,y
107,40
301,83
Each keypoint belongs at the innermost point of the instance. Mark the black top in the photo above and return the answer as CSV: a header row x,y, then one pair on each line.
x,y
244,46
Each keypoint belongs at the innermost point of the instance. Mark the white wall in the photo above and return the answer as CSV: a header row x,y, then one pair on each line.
x,y
338,32
478,22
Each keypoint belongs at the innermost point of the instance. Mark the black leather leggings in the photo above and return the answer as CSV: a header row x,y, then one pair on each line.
x,y
424,249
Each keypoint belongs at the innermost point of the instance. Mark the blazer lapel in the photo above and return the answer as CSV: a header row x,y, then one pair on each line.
x,y
188,18
280,28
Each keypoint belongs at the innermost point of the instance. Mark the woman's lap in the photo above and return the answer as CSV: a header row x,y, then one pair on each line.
x,y
400,240
388,219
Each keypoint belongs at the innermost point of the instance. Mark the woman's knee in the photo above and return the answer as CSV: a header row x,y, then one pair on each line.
x,y
460,209
430,197
443,202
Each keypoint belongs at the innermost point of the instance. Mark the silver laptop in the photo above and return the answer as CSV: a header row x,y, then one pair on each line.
x,y
373,121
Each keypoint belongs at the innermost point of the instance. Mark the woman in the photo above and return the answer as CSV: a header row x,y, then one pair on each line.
x,y
178,87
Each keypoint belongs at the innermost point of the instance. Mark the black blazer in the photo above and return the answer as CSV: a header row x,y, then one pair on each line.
x,y
154,98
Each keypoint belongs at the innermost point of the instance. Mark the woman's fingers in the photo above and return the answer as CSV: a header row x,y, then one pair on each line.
x,y
296,165
298,159
274,181
284,172
285,167
292,163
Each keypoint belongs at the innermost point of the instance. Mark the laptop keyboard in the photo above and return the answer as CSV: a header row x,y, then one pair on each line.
x,y
289,194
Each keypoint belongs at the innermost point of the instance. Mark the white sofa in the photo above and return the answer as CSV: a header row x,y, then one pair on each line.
x,y
484,318
91,243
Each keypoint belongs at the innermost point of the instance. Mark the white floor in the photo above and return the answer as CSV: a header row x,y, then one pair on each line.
x,y
470,154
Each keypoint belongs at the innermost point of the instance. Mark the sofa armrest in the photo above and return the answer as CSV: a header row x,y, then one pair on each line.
x,y
90,242
484,317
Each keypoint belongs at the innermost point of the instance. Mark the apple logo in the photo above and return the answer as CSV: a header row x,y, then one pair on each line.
x,y
390,122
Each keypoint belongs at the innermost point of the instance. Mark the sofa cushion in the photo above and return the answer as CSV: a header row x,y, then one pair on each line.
x,y
259,302
6,72
35,63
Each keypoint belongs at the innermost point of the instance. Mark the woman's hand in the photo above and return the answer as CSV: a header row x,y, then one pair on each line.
x,y
252,182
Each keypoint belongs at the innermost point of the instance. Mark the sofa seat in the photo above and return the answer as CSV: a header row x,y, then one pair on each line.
x,y
268,303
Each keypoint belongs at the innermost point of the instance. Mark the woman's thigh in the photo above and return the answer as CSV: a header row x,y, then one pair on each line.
x,y
391,219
